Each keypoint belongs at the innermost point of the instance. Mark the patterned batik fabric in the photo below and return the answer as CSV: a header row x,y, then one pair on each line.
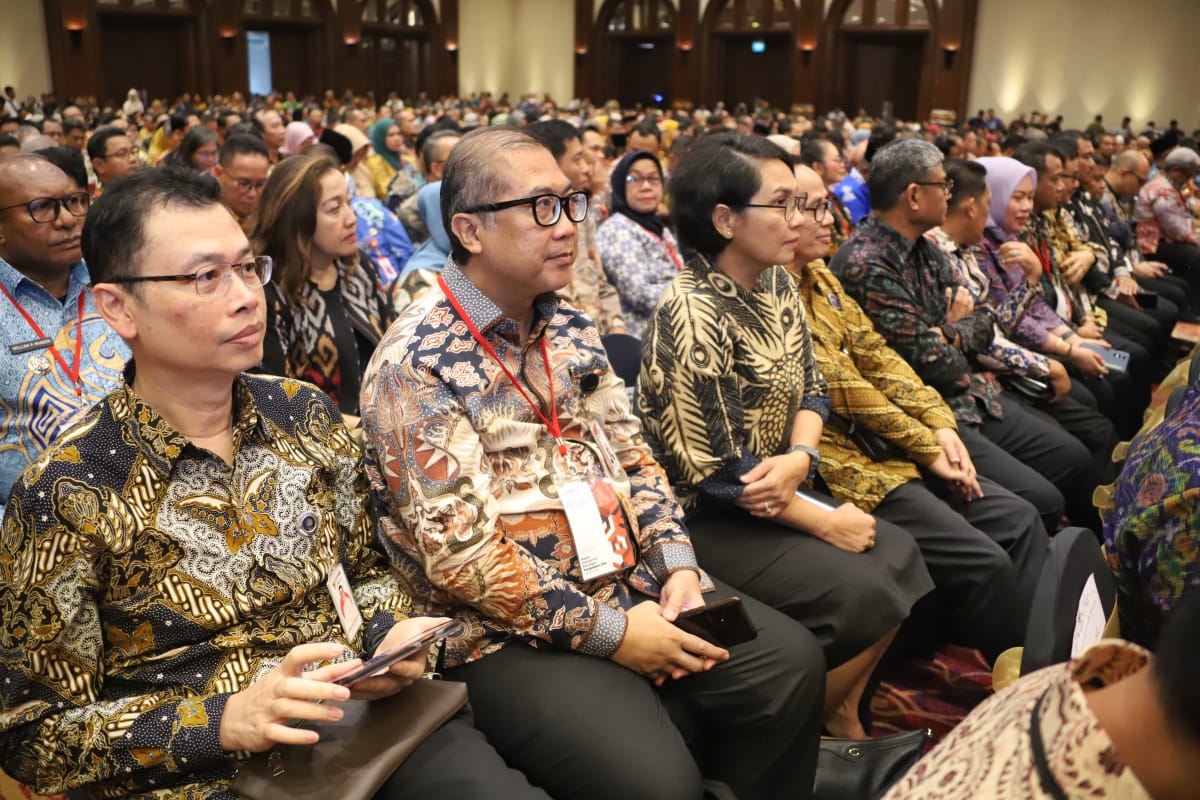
x,y
639,265
989,754
463,471
1152,532
143,580
305,330
871,387
724,373
1160,213
37,398
902,285
1051,236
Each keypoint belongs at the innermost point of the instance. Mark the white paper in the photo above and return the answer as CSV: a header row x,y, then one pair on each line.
x,y
1089,618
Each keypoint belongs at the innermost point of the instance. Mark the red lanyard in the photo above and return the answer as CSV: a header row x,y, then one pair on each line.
x,y
73,374
667,248
551,423
1043,253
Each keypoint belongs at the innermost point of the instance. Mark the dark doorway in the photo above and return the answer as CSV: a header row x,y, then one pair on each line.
x,y
878,69
296,59
152,54
746,66
639,69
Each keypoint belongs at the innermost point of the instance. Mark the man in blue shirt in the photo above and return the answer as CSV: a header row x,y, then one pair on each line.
x,y
57,356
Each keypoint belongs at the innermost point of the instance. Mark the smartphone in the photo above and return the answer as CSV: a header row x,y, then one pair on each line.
x,y
723,623
402,651
1147,299
1116,360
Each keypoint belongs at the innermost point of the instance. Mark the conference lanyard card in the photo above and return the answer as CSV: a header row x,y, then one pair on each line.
x,y
608,456
599,529
343,602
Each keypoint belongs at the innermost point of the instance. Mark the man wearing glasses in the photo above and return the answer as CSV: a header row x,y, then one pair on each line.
x,y
900,279
519,496
59,357
242,172
113,155
177,561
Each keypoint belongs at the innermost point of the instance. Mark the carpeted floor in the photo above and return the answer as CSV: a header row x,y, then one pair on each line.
x,y
935,694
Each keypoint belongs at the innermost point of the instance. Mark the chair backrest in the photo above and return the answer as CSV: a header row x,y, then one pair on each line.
x,y
1173,400
625,355
1194,367
1075,596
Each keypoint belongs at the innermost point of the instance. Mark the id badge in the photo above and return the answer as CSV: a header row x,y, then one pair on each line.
x,y
593,548
343,601
607,455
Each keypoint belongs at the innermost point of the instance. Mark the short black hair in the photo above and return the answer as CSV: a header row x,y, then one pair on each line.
x,y
1034,154
970,180
114,230
73,124
1066,145
242,144
647,127
881,136
97,146
812,150
720,168
1176,664
69,160
247,127
554,135
9,141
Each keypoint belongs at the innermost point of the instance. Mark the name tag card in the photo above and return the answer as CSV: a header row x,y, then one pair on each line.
x,y
343,603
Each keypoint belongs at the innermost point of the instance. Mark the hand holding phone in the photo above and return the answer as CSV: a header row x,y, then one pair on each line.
x,y
723,623
403,650
1115,360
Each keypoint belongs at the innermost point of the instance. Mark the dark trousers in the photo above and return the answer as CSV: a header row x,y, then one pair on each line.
x,y
984,556
1183,259
1150,328
1173,289
456,761
585,727
1043,445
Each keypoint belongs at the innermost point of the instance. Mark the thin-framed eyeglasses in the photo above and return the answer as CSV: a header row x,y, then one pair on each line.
x,y
947,186
797,202
214,279
246,185
546,208
650,180
47,209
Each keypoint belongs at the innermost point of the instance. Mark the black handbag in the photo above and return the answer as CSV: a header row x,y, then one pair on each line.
x,y
872,445
1035,390
864,769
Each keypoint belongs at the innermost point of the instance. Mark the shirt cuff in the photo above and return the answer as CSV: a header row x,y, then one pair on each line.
x,y
670,557
608,629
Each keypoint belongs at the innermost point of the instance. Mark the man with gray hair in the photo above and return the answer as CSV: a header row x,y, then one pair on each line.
x,y
908,288
434,152
517,494
1166,229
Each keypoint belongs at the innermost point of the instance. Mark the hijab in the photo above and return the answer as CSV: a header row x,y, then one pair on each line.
x,y
434,251
379,132
1003,175
295,136
620,205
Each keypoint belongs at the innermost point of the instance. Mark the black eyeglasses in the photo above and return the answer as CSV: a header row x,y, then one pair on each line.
x,y
547,208
1140,180
947,186
790,206
47,209
214,279
246,185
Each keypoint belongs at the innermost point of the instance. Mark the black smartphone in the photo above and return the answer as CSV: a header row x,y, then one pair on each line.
x,y
723,623
1147,299
403,650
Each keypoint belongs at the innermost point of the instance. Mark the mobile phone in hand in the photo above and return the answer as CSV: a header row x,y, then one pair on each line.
x,y
402,651
1115,360
723,623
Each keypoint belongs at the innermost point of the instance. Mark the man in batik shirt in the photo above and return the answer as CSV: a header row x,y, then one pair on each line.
x,y
521,498
170,564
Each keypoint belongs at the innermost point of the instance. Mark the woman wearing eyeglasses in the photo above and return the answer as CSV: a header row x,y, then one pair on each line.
x,y
326,309
639,254
733,402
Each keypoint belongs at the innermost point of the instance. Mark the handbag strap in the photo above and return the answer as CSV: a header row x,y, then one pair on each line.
x,y
1049,783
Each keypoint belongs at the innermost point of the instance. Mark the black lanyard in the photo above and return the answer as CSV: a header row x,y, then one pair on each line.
x,y
1049,783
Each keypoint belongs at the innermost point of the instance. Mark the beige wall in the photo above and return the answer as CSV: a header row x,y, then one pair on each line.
x,y
24,56
517,45
1030,54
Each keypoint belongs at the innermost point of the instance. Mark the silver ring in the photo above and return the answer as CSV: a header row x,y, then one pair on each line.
x,y
766,508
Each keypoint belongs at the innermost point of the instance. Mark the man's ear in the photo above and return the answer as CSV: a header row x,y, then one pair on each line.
x,y
465,227
113,304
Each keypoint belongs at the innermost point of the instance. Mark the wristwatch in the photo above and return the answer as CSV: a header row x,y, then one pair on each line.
x,y
814,457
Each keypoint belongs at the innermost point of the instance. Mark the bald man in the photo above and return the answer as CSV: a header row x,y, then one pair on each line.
x,y
1126,175
57,356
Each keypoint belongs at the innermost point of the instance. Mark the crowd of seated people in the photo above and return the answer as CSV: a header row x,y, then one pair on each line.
x,y
876,375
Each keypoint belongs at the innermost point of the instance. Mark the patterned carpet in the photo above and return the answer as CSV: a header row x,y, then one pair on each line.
x,y
935,694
